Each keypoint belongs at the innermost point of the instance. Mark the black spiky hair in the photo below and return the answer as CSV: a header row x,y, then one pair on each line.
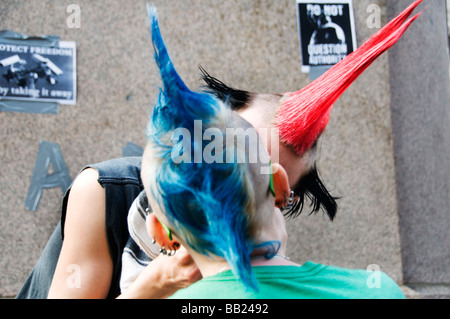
x,y
311,187
236,99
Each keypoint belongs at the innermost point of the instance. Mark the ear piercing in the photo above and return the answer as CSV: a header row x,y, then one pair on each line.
x,y
289,201
168,252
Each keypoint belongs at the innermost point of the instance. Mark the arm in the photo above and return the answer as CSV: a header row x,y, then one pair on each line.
x,y
164,276
85,253
85,267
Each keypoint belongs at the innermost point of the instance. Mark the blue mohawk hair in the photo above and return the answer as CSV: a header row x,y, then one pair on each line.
x,y
184,103
210,205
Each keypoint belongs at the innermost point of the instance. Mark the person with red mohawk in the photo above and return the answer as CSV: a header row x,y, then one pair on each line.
x,y
301,117
96,238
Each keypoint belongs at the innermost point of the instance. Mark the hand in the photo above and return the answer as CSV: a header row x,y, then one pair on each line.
x,y
164,276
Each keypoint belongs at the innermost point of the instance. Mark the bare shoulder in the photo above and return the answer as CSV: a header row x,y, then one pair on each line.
x,y
86,202
86,181
85,243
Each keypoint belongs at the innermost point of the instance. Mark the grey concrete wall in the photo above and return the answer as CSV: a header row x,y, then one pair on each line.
x,y
116,85
249,44
420,92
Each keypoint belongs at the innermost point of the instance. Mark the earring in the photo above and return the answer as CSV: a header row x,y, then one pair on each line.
x,y
170,252
289,201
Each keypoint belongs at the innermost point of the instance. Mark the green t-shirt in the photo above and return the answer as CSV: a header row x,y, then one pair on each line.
x,y
310,281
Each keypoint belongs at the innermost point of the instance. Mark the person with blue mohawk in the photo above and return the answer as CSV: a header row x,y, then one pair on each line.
x,y
226,211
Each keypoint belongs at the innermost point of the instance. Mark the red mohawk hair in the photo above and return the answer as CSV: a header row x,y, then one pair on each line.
x,y
304,115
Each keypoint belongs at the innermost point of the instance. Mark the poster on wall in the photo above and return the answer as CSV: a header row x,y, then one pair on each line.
x,y
327,32
38,73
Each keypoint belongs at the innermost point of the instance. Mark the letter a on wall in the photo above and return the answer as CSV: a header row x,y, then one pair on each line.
x,y
49,153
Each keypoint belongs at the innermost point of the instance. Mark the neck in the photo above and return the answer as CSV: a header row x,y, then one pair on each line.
x,y
211,266
272,230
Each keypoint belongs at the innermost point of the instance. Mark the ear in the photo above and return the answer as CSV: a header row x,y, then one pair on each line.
x,y
159,234
281,185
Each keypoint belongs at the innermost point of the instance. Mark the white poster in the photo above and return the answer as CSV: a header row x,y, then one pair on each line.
x,y
38,73
327,31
